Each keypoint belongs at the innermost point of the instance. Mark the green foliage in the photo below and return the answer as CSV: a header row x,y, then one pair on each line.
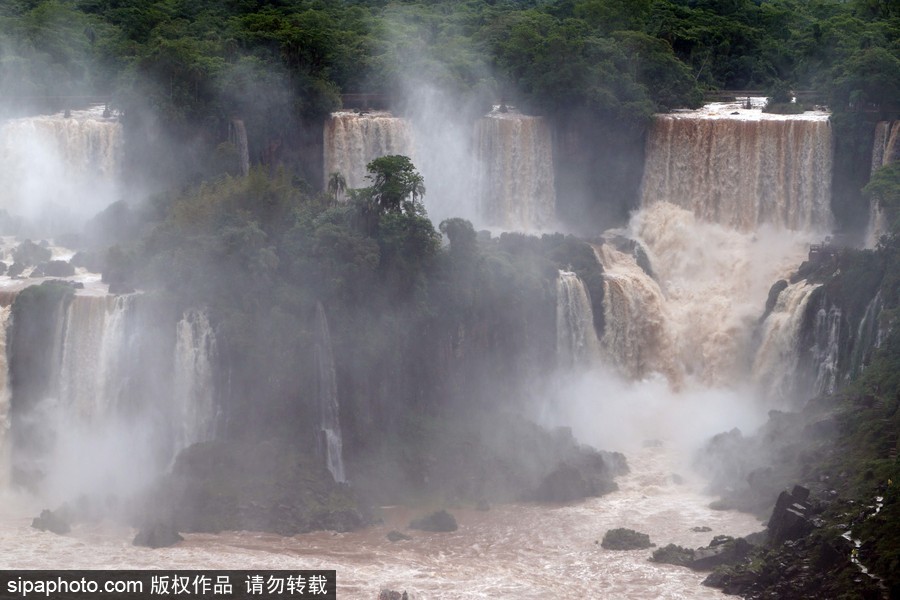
x,y
884,188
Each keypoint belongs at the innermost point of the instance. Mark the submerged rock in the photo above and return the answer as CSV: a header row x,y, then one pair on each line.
x,y
396,536
563,484
440,521
157,535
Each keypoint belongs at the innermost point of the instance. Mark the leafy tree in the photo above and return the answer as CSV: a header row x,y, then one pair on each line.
x,y
396,185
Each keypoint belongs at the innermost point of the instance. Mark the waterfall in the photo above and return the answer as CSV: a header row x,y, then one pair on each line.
x,y
353,140
576,338
331,443
885,150
742,170
237,135
5,417
868,336
55,163
826,347
637,338
94,356
515,173
777,359
194,408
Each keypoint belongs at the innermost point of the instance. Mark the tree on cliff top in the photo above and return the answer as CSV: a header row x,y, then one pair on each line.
x,y
396,185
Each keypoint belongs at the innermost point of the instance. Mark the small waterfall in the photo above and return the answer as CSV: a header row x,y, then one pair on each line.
x,y
885,150
237,135
331,442
54,163
777,359
637,338
576,338
353,140
826,348
5,417
515,175
742,170
194,395
869,337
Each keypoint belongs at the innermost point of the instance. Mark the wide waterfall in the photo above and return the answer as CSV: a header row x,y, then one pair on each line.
x,y
515,171
98,401
885,150
353,140
576,338
194,396
331,444
56,165
741,167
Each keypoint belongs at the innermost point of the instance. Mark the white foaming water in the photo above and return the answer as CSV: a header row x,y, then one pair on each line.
x,y
515,551
696,320
515,175
237,135
5,441
332,443
885,150
194,395
353,140
742,167
55,163
576,338
637,337
826,349
776,360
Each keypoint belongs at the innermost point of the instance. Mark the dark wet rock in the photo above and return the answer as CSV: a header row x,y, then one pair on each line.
x,y
396,536
157,535
723,550
28,253
774,291
701,529
267,486
673,555
87,260
53,521
440,521
3,268
16,269
563,484
53,268
790,518
625,539
393,595
677,479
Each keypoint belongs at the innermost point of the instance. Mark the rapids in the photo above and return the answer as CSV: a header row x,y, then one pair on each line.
x,y
528,552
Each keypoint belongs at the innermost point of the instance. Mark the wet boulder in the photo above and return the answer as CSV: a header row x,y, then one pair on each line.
x,y
28,253
790,517
625,539
563,484
440,521
157,535
53,521
53,268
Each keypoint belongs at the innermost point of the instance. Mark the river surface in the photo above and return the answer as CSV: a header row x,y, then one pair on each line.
x,y
520,551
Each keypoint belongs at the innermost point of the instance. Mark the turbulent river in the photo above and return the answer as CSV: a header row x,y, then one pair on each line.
x,y
511,551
